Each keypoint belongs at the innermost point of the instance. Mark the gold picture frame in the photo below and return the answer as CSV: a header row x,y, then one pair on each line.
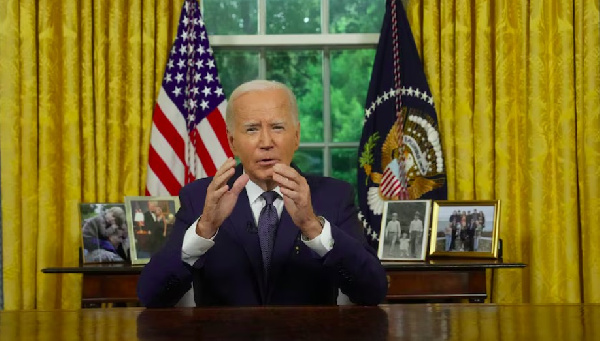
x,y
404,232
465,228
150,221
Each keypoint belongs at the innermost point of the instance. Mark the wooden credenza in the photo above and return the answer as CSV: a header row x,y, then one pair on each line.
x,y
443,280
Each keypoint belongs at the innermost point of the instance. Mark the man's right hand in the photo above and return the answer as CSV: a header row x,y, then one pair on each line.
x,y
220,200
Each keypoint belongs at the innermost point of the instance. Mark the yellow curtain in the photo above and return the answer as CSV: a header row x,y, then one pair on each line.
x,y
517,89
78,81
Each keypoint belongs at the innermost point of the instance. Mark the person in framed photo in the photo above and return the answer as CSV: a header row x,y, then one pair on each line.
x,y
416,235
263,232
149,224
155,226
404,245
392,231
449,234
105,235
479,229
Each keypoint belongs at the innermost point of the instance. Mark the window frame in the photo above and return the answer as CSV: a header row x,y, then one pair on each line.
x,y
324,42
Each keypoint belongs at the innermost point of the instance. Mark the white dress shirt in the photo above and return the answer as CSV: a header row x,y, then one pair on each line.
x,y
195,246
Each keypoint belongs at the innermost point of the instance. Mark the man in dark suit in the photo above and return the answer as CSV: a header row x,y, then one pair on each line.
x,y
154,227
318,246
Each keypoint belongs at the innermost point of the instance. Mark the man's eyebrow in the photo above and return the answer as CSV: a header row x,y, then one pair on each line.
x,y
250,124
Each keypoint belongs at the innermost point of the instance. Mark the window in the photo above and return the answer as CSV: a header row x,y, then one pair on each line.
x,y
322,49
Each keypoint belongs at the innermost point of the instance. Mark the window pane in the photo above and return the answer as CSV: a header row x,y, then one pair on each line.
x,y
236,67
357,16
343,164
309,160
231,16
301,71
293,16
349,92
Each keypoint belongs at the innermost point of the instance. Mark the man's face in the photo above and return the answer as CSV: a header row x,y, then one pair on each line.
x,y
110,219
264,133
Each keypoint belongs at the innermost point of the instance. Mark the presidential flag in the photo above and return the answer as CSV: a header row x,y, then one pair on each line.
x,y
189,137
400,152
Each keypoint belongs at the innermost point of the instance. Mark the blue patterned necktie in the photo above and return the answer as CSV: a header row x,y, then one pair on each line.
x,y
267,223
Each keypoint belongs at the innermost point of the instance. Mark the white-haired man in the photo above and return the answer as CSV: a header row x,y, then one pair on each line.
x,y
262,233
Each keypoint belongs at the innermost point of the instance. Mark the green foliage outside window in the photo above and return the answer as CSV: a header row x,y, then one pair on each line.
x,y
302,69
302,72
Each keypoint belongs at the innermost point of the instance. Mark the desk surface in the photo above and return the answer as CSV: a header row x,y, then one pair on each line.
x,y
396,322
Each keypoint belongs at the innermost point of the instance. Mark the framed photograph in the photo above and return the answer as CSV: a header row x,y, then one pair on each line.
x,y
104,233
150,221
404,230
465,228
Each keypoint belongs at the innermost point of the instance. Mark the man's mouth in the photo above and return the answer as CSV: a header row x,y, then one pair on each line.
x,y
267,162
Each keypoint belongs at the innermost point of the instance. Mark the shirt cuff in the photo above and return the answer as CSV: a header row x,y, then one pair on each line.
x,y
322,243
195,246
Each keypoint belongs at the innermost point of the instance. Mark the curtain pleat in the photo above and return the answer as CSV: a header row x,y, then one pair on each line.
x,y
510,139
587,98
483,101
10,86
463,99
50,108
71,92
116,95
90,169
28,172
519,115
149,85
100,48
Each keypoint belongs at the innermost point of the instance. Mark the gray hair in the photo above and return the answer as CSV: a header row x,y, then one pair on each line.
x,y
258,85
117,213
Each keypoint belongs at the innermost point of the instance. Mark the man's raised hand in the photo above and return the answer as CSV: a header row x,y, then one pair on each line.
x,y
297,200
220,199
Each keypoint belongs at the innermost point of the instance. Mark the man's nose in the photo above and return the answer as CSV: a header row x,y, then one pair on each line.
x,y
266,140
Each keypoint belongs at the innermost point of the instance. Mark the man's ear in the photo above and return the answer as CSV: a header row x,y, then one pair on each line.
x,y
297,135
230,139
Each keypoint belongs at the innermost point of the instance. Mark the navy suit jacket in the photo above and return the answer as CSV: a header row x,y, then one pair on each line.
x,y
231,272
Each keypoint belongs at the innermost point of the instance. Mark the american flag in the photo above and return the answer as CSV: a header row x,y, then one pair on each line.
x,y
188,138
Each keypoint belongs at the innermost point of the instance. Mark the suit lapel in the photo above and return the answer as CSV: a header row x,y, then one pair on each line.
x,y
242,223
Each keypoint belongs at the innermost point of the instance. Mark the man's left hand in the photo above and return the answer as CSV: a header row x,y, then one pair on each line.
x,y
297,201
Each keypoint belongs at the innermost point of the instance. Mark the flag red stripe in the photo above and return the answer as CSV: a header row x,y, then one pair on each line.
x,y
205,158
183,148
163,172
387,191
218,124
168,131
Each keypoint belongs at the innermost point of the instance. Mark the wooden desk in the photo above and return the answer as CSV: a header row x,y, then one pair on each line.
x,y
386,322
436,280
